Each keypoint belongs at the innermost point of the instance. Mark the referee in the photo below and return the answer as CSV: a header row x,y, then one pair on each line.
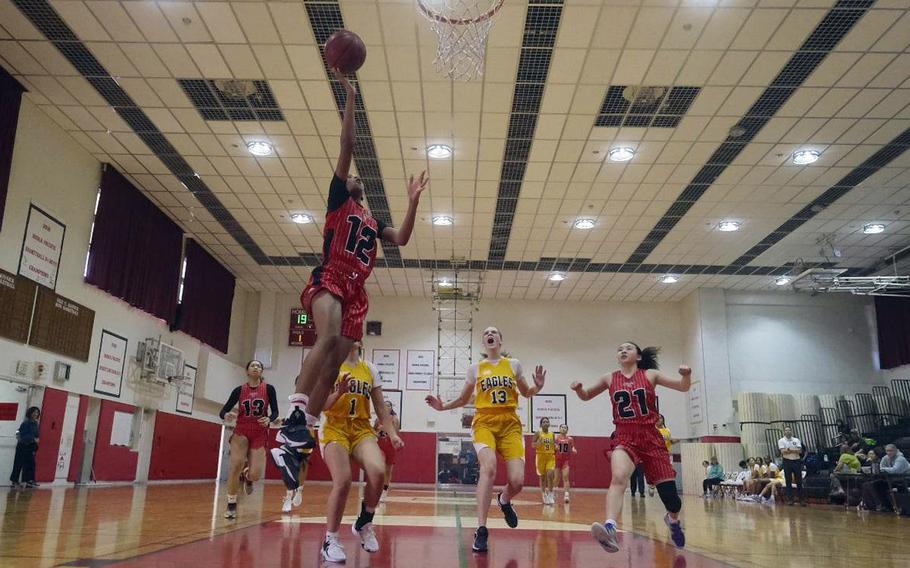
x,y
791,450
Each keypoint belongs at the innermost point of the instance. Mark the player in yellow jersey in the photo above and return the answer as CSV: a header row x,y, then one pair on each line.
x,y
348,432
495,383
545,449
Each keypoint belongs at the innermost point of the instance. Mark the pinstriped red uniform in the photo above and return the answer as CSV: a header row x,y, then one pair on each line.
x,y
348,256
253,405
564,446
635,415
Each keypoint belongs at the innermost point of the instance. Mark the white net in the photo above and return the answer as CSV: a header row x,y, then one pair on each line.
x,y
462,28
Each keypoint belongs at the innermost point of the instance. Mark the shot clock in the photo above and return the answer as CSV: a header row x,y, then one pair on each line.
x,y
302,331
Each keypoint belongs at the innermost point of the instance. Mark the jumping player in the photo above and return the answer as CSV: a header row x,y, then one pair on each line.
x,y
495,383
335,294
565,449
545,450
294,497
251,432
637,439
347,432
388,449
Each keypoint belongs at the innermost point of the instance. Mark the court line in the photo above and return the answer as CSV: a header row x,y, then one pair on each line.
x,y
462,559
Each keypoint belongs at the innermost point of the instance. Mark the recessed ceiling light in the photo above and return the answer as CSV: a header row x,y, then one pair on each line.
x,y
621,154
557,277
803,157
301,218
439,151
584,223
873,228
729,226
260,148
669,279
443,220
782,280
445,283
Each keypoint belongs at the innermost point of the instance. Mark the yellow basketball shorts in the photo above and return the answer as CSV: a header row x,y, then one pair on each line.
x,y
545,463
346,433
500,432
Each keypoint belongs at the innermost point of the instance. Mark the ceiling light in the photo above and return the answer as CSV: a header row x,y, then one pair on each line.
x,y
729,226
439,151
443,220
803,157
301,218
259,148
782,280
445,283
873,228
584,223
557,277
621,154
669,279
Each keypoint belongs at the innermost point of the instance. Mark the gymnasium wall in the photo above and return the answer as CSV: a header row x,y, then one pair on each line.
x,y
52,171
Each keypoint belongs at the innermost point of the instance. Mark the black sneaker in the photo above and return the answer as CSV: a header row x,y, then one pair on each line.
x,y
295,434
231,512
288,463
480,540
508,512
32,485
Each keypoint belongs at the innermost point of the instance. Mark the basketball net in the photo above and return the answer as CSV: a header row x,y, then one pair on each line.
x,y
461,28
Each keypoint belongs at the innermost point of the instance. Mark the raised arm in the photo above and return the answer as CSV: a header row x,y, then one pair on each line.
x,y
347,128
402,235
681,384
583,393
463,398
539,377
341,387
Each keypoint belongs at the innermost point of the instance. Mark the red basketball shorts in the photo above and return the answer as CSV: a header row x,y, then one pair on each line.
x,y
349,291
385,444
258,436
646,446
562,460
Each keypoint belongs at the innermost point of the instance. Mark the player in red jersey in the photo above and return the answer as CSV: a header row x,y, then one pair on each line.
x,y
251,433
636,437
388,449
565,449
335,294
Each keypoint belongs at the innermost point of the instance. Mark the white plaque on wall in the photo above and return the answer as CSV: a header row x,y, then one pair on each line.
x,y
387,362
421,369
696,403
187,391
111,363
552,406
41,248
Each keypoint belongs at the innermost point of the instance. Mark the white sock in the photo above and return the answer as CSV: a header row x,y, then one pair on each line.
x,y
329,535
311,420
298,400
232,498
610,523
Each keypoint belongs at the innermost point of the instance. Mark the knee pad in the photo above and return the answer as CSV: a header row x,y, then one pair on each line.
x,y
668,494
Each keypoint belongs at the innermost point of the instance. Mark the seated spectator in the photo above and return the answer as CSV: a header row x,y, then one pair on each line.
x,y
876,494
862,456
745,473
715,475
848,463
774,485
759,477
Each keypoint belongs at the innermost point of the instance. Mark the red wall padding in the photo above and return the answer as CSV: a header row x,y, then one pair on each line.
x,y
78,440
113,463
53,409
184,448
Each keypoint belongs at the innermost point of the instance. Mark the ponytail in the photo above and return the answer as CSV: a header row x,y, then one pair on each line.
x,y
648,356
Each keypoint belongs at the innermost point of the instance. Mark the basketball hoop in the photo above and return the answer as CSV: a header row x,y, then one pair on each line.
x,y
461,28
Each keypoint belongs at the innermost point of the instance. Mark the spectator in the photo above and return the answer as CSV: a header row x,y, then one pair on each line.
x,y
766,497
877,493
26,447
715,475
638,481
791,450
848,463
759,477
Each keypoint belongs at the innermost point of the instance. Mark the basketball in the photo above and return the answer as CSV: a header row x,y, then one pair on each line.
x,y
345,50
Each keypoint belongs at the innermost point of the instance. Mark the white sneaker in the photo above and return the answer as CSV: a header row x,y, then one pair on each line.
x,y
286,505
332,551
298,497
566,498
367,537
650,491
551,499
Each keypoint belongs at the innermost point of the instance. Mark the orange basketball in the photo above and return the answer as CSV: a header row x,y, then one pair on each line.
x,y
345,50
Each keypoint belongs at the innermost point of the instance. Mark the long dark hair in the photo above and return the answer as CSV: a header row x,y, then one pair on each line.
x,y
648,356
31,410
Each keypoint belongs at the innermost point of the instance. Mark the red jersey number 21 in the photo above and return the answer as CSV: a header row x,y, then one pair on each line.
x,y
361,239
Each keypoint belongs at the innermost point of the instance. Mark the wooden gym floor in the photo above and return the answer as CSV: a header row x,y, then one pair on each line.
x,y
182,525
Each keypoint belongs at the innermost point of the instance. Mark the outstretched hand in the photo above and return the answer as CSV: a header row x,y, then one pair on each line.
x,y
348,86
540,375
416,186
434,402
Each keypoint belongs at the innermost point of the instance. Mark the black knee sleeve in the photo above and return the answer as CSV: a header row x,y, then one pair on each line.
x,y
667,492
